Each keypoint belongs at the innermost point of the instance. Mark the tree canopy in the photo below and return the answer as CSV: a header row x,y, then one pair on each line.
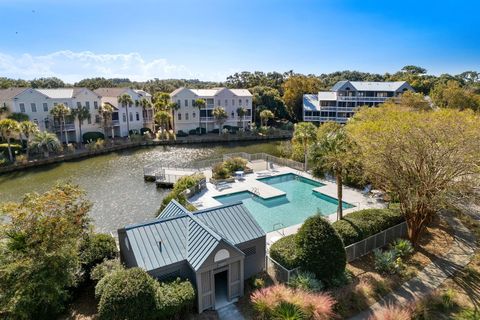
x,y
424,159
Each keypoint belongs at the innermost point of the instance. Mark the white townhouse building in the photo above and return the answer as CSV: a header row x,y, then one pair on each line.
x,y
138,117
37,104
341,102
189,117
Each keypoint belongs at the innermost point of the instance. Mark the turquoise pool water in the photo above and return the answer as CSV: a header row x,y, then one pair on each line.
x,y
299,203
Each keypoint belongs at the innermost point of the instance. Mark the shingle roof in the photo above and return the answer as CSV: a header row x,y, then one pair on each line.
x,y
110,92
190,236
10,93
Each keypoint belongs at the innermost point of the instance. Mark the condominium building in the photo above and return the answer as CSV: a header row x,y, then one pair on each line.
x,y
341,102
189,117
37,104
132,117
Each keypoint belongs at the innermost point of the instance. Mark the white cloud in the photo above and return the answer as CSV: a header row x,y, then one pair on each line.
x,y
73,66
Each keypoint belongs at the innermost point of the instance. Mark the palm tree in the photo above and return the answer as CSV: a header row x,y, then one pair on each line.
x,y
60,111
305,132
126,101
162,118
220,116
8,129
81,113
265,115
200,104
334,151
46,142
105,111
28,128
146,106
3,110
242,112
173,106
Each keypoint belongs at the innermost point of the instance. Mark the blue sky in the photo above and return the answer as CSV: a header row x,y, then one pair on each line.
x,y
211,39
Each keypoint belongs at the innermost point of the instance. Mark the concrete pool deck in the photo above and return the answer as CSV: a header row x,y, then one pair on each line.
x,y
352,196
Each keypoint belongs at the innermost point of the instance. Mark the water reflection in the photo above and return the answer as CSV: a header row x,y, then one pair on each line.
x,y
114,182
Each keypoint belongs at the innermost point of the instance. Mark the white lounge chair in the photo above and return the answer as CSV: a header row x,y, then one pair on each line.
x,y
222,186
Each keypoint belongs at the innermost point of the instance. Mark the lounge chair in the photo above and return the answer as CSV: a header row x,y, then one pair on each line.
x,y
222,186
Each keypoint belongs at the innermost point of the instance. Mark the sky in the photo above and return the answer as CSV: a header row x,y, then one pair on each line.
x,y
211,39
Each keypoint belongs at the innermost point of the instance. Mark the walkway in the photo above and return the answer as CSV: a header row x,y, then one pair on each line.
x,y
434,274
230,312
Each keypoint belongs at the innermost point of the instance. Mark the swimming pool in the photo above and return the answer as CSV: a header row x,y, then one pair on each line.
x,y
299,203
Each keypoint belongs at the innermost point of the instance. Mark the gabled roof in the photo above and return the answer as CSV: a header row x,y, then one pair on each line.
x,y
190,236
10,93
310,102
213,92
371,85
63,93
111,92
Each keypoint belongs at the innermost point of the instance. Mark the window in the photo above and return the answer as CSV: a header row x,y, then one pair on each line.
x,y
186,103
79,104
22,107
66,104
179,116
186,115
45,107
124,117
193,103
89,120
226,102
233,102
239,102
138,116
179,103
194,115
34,107
233,115
87,104
54,104
246,102
95,104
131,116
47,123
97,119
35,121
218,102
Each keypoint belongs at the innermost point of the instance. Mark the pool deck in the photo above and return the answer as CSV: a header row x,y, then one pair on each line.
x,y
353,196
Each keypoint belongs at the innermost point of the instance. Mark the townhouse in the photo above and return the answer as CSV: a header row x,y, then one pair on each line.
x,y
189,117
341,102
38,103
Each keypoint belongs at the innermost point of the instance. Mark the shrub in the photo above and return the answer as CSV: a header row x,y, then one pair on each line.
x,y
403,248
320,249
268,301
92,136
215,131
143,130
181,133
284,251
364,223
105,268
342,279
182,184
95,248
391,312
306,281
287,310
16,148
235,164
257,282
220,172
133,132
387,262
175,298
127,294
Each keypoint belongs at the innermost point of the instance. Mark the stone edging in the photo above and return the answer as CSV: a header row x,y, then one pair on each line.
x,y
435,273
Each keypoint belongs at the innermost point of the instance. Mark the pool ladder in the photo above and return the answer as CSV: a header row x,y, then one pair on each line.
x,y
279,230
255,191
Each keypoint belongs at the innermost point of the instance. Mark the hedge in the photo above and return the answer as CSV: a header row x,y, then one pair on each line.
x,y
182,133
175,298
13,146
95,248
320,249
284,251
92,136
182,184
143,130
197,131
362,224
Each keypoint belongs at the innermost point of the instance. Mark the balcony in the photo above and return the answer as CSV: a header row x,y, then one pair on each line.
x,y
207,119
68,127
364,99
115,123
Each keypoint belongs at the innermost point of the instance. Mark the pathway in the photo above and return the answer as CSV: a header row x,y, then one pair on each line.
x,y
230,312
434,274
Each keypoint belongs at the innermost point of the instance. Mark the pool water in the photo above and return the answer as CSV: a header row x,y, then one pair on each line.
x,y
299,203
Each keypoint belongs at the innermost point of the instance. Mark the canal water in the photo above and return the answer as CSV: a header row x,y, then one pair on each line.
x,y
114,182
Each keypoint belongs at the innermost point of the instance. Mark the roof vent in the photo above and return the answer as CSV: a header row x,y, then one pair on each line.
x,y
160,245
